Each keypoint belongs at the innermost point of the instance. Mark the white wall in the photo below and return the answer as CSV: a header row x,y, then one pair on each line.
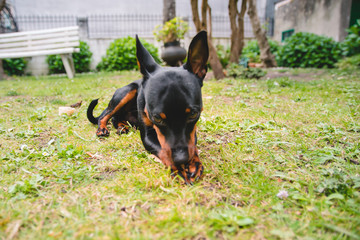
x,y
322,17
84,7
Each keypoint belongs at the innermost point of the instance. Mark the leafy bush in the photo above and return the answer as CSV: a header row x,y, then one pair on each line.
x,y
253,73
309,50
252,50
351,44
224,55
237,71
349,63
14,66
121,55
234,70
81,59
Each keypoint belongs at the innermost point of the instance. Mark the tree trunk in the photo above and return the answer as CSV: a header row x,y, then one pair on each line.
x,y
202,24
2,5
237,29
169,10
267,58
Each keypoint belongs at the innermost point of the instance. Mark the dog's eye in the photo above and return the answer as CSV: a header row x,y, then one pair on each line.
x,y
193,115
157,119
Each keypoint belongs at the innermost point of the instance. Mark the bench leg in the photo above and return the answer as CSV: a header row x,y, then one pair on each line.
x,y
68,65
2,74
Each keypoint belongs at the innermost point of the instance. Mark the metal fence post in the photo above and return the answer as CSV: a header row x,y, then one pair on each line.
x,y
82,22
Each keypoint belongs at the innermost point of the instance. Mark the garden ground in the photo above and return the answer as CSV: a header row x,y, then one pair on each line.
x,y
296,134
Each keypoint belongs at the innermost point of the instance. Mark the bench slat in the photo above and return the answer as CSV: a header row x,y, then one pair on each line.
x,y
40,32
39,53
37,37
40,47
43,42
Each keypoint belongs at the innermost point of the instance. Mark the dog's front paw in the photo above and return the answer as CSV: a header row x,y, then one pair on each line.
x,y
123,129
102,132
195,169
182,173
191,173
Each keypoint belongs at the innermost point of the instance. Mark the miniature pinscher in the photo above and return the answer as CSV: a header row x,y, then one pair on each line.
x,y
165,105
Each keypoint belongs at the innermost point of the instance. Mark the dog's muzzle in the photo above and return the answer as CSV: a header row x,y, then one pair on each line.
x,y
180,156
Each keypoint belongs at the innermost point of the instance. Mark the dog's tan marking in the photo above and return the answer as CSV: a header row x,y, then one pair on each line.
x,y
146,119
191,144
162,115
165,152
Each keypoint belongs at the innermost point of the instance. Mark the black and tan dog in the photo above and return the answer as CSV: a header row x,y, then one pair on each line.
x,y
165,105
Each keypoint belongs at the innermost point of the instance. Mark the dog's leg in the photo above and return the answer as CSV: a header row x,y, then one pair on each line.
x,y
195,168
107,114
102,130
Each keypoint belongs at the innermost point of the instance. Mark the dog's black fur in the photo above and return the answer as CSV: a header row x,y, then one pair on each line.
x,y
165,105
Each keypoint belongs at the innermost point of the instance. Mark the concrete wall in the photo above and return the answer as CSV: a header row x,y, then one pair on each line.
x,y
322,17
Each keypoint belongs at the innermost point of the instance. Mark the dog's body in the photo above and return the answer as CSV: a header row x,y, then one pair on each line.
x,y
165,105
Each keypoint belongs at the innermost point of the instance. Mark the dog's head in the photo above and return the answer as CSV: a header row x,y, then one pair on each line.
x,y
172,100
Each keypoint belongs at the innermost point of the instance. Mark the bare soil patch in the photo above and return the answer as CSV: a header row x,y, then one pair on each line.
x,y
301,76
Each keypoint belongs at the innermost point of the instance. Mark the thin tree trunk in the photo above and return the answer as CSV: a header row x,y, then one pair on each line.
x,y
2,5
237,29
169,10
234,38
202,24
241,25
267,58
195,13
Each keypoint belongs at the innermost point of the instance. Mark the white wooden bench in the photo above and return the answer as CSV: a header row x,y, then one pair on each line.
x,y
63,41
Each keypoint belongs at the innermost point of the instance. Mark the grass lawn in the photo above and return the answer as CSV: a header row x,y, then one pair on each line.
x,y
281,160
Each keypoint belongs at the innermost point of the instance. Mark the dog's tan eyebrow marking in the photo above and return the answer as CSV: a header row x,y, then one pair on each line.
x,y
187,110
162,115
145,118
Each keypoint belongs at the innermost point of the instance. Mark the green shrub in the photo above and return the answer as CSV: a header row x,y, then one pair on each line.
x,y
308,50
349,63
237,71
121,55
252,50
234,70
351,45
14,66
224,54
81,59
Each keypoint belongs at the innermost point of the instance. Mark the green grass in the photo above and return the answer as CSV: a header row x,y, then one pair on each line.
x,y
59,181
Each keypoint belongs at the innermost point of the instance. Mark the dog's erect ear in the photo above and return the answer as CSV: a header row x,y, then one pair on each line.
x,y
198,55
146,62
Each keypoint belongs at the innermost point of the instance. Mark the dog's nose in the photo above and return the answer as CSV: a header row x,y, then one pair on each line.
x,y
180,155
